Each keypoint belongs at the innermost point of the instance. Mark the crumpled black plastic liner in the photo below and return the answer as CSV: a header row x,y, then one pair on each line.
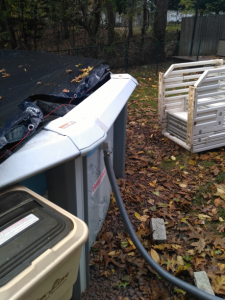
x,y
36,107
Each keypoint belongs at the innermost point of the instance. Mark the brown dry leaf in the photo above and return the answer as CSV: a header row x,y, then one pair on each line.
x,y
221,266
200,245
153,183
170,262
0,97
183,185
205,157
3,70
214,211
191,252
143,218
113,253
105,273
204,217
217,202
155,255
218,284
131,254
151,201
5,75
38,82
69,71
180,260
65,91
167,246
222,228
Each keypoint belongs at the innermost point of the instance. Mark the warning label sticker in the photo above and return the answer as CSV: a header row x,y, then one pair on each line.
x,y
17,227
99,181
64,126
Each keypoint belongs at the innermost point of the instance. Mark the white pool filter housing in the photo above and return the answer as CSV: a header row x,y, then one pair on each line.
x,y
69,151
52,274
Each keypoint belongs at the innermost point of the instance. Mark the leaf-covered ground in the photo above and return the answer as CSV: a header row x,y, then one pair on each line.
x,y
165,181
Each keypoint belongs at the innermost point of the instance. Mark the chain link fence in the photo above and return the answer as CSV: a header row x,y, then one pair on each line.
x,y
135,52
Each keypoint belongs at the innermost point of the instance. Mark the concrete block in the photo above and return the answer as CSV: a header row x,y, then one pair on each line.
x,y
159,230
202,282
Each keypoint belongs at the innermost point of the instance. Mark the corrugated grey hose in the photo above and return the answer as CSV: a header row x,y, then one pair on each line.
x,y
166,275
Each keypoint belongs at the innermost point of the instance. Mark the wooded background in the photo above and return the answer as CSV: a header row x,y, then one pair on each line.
x,y
31,25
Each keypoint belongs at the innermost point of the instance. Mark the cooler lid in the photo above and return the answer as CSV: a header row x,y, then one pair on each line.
x,y
28,227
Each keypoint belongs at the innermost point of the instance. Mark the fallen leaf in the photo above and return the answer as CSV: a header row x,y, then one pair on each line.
x,y
131,254
200,245
221,219
153,208
183,185
153,183
69,71
78,65
5,75
180,260
155,255
140,152
217,202
143,218
192,162
214,211
38,82
137,215
204,217
151,201
162,204
221,266
131,243
173,157
65,91
191,252
218,285
179,291
156,193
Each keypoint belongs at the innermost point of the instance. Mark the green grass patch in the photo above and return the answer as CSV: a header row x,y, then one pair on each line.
x,y
168,164
181,160
207,164
153,103
221,212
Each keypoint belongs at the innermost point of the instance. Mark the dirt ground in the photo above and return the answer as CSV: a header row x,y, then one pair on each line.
x,y
165,181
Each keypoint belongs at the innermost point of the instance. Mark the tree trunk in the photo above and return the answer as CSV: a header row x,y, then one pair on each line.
x,y
130,27
160,22
145,22
24,30
111,21
8,24
130,19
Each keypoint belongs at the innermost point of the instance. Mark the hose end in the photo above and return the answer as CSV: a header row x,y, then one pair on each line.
x,y
107,149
